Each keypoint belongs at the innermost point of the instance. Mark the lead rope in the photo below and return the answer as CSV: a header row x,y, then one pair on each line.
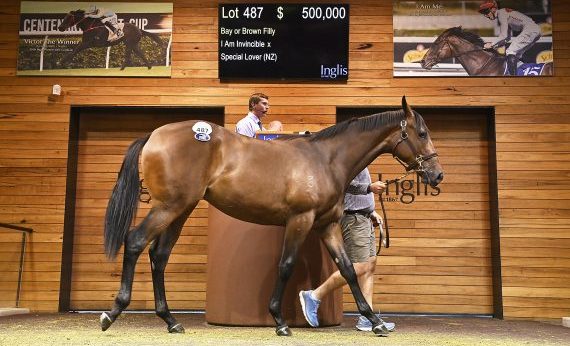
x,y
384,216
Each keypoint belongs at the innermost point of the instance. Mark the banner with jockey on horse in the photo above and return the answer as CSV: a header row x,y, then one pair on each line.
x,y
95,39
472,38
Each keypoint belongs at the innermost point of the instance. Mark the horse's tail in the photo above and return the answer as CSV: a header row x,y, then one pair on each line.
x,y
123,204
153,36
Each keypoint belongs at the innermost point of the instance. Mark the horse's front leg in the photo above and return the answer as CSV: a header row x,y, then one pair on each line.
x,y
332,237
66,59
296,231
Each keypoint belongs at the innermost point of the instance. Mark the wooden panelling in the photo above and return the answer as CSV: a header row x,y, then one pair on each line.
x,y
532,150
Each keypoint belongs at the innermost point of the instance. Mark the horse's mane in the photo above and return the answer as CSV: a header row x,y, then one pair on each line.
x,y
366,123
466,35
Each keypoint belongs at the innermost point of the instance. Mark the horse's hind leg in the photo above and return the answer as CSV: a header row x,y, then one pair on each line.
x,y
140,54
128,57
153,224
332,238
159,253
296,231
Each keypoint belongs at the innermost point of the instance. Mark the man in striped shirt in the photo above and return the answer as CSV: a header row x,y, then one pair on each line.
x,y
360,244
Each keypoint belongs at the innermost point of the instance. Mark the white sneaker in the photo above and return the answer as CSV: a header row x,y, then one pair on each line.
x,y
363,324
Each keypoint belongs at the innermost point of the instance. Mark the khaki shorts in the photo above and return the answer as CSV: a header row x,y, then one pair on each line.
x,y
359,238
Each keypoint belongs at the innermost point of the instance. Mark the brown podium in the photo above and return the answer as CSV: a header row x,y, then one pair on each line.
x,y
242,271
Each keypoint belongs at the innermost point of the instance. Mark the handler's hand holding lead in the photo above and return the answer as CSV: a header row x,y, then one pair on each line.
x,y
376,219
488,45
377,187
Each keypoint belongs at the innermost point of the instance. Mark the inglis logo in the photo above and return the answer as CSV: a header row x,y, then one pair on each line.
x,y
406,191
333,72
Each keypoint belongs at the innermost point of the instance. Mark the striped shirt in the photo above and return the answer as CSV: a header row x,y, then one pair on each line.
x,y
357,196
249,125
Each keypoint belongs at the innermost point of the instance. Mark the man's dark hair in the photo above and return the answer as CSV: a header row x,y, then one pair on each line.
x,y
255,98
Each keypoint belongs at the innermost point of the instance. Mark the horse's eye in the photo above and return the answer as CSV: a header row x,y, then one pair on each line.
x,y
423,135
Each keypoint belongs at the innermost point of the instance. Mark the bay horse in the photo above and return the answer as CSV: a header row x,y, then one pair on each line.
x,y
296,182
467,48
95,34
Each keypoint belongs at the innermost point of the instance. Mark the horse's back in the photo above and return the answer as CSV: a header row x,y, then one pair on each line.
x,y
178,153
251,179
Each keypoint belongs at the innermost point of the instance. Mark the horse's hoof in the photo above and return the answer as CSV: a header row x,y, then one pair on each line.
x,y
105,321
177,328
380,330
283,331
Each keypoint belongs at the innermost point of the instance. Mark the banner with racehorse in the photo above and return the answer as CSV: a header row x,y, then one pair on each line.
x,y
456,38
95,39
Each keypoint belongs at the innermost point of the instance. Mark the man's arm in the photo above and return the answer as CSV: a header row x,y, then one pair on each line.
x,y
503,20
356,188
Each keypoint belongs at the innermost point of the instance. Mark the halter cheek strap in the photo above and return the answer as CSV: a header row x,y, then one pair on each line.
x,y
415,165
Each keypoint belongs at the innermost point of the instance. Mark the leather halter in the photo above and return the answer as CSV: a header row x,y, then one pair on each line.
x,y
417,164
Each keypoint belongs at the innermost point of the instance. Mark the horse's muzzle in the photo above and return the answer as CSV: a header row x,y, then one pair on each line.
x,y
426,65
432,178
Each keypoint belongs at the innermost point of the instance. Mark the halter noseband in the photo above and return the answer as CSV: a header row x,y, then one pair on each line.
x,y
417,164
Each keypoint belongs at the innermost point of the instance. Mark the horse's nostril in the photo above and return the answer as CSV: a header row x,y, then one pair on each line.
x,y
440,177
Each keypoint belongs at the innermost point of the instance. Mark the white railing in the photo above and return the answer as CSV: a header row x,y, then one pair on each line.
x,y
410,69
423,39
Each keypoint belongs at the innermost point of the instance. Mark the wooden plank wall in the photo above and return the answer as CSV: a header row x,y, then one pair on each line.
x,y
532,126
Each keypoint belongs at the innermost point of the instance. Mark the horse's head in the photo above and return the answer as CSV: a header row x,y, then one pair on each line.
x,y
439,50
453,42
71,19
414,149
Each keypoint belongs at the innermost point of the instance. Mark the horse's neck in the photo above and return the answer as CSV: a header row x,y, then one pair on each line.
x,y
351,151
472,57
89,23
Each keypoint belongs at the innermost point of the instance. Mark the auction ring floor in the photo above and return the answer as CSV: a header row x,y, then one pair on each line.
x,y
148,329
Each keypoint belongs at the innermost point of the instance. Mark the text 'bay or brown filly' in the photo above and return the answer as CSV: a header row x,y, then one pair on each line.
x,y
302,188
467,48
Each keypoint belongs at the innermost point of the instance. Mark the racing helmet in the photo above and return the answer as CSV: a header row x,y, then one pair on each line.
x,y
486,6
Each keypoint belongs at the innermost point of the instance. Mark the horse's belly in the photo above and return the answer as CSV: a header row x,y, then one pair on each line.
x,y
249,208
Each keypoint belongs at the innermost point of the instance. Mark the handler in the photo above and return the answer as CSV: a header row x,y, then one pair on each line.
x,y
357,225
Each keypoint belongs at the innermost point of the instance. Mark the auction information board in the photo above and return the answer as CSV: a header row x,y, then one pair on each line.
x,y
283,41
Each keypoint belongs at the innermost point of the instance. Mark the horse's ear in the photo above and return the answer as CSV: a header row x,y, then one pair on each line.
x,y
406,107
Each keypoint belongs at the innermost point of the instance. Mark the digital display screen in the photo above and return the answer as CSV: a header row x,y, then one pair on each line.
x,y
283,41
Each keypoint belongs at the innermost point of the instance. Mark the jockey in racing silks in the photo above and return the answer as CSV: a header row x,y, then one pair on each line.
x,y
510,20
108,17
